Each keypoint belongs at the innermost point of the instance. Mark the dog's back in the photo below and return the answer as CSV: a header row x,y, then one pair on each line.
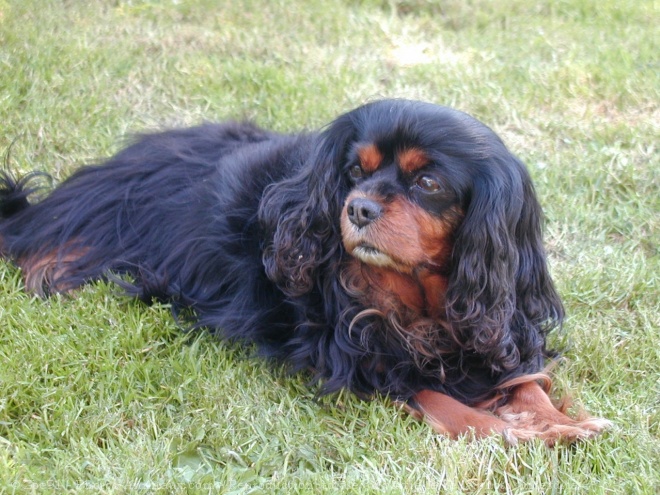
x,y
176,211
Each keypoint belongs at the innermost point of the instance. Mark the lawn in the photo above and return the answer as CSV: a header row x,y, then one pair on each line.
x,y
100,394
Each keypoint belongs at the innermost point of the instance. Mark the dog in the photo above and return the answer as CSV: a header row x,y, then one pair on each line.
x,y
398,251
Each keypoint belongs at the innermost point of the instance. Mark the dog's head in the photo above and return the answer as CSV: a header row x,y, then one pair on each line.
x,y
415,188
404,204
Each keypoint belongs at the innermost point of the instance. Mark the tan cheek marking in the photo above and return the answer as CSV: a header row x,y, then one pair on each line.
x,y
399,231
429,238
436,234
370,158
412,159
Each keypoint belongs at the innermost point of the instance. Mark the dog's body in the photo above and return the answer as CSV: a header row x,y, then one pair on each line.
x,y
398,251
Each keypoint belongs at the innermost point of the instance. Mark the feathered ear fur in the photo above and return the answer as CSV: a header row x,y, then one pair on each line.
x,y
500,299
301,215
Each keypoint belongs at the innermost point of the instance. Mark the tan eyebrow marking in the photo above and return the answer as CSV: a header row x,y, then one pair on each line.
x,y
370,158
412,159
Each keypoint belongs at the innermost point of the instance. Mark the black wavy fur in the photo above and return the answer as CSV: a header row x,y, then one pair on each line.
x,y
241,226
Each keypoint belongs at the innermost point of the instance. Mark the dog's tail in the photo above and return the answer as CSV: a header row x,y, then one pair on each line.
x,y
15,190
13,194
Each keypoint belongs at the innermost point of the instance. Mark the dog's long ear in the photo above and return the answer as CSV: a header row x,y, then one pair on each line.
x,y
501,299
300,214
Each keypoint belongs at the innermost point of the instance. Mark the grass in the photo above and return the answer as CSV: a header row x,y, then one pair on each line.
x,y
99,394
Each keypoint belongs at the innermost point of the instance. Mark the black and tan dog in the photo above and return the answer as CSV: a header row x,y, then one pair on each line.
x,y
397,251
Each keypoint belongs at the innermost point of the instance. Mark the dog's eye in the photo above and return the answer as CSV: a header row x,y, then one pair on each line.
x,y
356,172
427,184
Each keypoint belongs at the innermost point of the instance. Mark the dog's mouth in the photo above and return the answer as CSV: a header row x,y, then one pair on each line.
x,y
372,256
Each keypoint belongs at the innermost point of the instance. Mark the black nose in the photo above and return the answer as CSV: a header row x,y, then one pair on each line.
x,y
363,211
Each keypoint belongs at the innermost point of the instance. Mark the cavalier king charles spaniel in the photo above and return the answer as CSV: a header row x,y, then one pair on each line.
x,y
398,251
